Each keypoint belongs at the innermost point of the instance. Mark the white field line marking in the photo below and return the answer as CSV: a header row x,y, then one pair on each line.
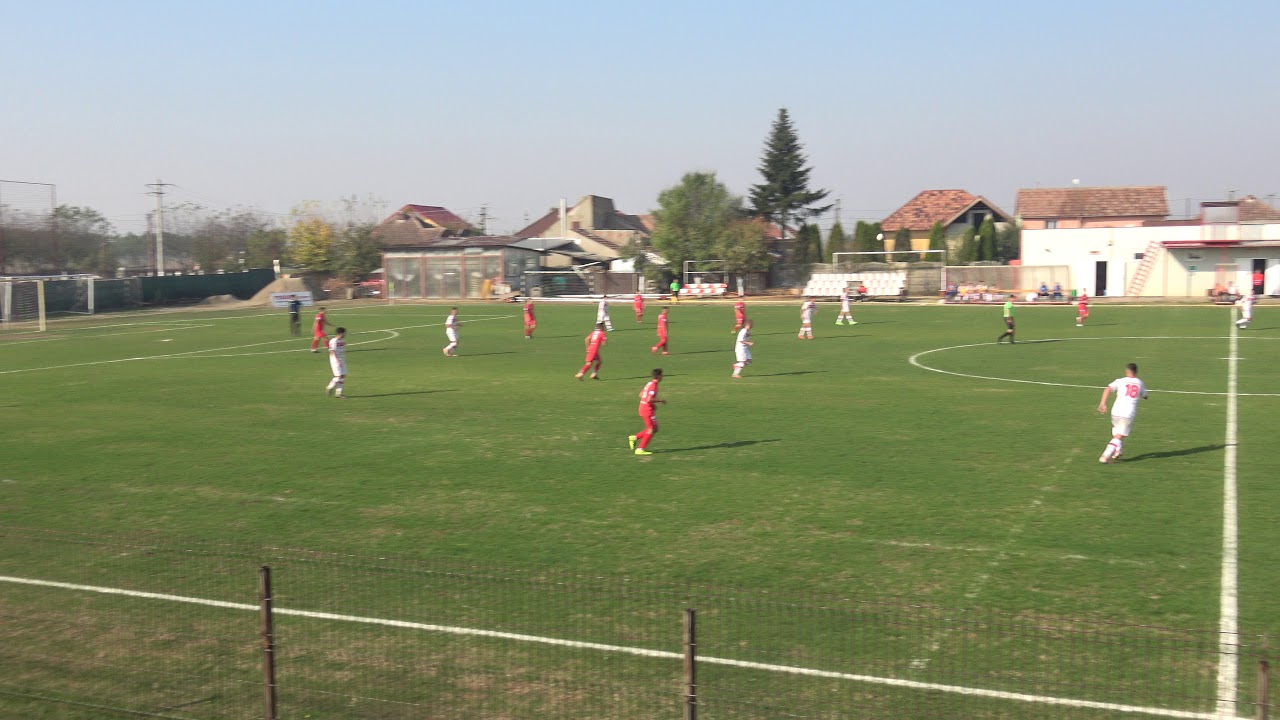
x,y
636,651
163,327
198,353
1229,601
915,360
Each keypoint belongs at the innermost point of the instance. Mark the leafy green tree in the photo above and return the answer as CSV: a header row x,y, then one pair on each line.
x,y
987,240
784,195
969,247
808,245
1008,243
743,247
836,241
938,239
311,243
691,217
264,246
901,242
82,232
357,254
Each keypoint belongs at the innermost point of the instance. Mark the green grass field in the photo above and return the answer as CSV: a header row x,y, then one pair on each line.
x,y
836,467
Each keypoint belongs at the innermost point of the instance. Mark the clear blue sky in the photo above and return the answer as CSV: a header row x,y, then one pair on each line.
x,y
516,104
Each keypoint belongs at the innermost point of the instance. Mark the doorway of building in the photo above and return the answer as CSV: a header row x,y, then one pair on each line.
x,y
1100,279
1258,277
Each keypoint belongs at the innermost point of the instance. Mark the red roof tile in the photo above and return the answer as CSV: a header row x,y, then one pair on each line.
x,y
540,226
1254,210
934,206
1093,202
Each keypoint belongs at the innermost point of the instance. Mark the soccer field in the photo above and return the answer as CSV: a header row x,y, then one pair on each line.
x,y
908,456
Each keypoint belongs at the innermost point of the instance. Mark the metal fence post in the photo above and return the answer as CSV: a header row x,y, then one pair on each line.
x,y
1262,705
266,629
690,665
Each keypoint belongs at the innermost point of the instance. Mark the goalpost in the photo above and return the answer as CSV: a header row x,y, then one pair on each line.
x,y
22,306
558,283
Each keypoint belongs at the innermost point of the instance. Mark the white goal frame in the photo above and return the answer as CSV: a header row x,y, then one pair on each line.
x,y
719,268
9,321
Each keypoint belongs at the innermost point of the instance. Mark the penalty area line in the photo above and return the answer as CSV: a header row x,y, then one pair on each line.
x,y
1229,599
627,650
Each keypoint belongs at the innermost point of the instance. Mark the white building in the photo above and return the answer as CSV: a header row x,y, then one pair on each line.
x,y
1171,258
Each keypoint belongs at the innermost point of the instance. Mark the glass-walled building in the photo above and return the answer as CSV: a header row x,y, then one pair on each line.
x,y
458,268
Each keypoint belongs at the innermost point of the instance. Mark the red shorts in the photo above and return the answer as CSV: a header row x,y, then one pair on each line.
x,y
650,418
593,356
1084,311
320,333
529,322
662,339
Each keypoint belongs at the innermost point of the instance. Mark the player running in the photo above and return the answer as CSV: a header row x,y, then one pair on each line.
x,y
1128,389
649,412
1082,309
530,322
451,325
318,335
1008,322
844,308
739,315
602,313
338,363
662,333
1246,310
638,303
595,341
807,311
742,350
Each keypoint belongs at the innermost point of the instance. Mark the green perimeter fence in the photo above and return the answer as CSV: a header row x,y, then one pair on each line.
x,y
109,625
72,295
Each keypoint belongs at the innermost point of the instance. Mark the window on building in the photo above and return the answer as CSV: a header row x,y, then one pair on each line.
x,y
1051,224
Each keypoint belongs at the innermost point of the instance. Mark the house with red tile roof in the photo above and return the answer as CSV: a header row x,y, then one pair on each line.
x,y
1086,207
594,223
957,210
418,225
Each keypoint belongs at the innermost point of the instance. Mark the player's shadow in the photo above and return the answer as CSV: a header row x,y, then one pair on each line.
x,y
406,392
718,446
1175,453
792,372
499,352
704,352
665,376
355,350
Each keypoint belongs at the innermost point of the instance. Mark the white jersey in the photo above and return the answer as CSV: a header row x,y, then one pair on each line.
x,y
844,301
338,355
1128,391
1246,307
452,322
602,311
740,348
806,311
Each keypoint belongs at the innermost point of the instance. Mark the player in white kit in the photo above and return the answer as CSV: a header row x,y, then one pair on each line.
x,y
742,349
451,325
806,318
844,308
602,313
1246,310
1129,390
337,363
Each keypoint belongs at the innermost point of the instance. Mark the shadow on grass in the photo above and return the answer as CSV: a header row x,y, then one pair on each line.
x,y
793,372
406,392
363,350
500,352
1174,453
718,446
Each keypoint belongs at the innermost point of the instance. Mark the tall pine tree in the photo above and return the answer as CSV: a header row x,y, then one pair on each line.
x,y
937,240
784,197
987,240
902,242
835,241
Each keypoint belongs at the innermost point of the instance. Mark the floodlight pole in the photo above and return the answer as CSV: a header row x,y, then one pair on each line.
x,y
159,193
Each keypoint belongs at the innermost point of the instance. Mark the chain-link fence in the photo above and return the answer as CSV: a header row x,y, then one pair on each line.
x,y
161,631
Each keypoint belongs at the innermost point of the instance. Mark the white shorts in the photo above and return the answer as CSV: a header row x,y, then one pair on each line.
x,y
844,307
339,368
451,334
742,354
602,318
1121,425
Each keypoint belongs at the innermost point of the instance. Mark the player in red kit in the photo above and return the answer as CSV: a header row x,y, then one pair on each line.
x,y
649,413
739,315
318,335
1082,309
530,323
662,333
595,341
639,305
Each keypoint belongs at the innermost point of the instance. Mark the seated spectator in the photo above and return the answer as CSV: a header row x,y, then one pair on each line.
x,y
1057,291
953,291
1043,292
862,291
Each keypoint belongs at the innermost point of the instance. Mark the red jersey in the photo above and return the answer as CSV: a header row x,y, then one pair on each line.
x,y
528,312
320,322
639,301
647,396
662,325
740,309
595,340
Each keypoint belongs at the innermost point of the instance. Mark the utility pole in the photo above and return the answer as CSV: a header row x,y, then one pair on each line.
x,y
838,201
484,219
159,193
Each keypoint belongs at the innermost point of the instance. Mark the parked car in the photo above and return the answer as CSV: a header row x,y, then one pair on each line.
x,y
373,286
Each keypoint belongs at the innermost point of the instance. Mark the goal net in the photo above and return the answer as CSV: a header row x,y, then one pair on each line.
x,y
22,306
556,283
